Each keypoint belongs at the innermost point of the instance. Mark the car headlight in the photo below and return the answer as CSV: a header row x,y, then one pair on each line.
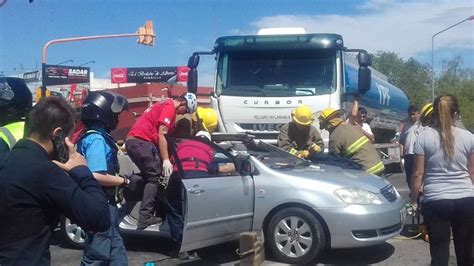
x,y
357,196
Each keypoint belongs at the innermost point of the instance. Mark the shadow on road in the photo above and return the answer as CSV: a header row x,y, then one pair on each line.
x,y
358,256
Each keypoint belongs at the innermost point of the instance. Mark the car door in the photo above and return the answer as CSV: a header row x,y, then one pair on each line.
x,y
217,210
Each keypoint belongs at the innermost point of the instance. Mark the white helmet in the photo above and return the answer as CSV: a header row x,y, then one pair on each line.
x,y
191,102
203,134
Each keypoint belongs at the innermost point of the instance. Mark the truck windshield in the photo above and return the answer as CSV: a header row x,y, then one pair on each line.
x,y
276,73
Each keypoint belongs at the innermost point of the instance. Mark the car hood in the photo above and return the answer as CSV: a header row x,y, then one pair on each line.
x,y
338,176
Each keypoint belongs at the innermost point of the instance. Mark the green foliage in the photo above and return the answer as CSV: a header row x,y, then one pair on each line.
x,y
414,79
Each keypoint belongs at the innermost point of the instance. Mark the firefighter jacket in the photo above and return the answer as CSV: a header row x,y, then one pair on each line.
x,y
291,137
11,133
348,141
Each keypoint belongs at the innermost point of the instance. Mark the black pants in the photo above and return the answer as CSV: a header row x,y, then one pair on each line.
x,y
409,162
442,215
145,155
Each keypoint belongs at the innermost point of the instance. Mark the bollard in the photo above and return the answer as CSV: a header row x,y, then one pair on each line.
x,y
251,250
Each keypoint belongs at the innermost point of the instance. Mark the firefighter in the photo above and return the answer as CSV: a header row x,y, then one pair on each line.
x,y
100,113
147,146
300,137
426,115
348,141
15,103
204,119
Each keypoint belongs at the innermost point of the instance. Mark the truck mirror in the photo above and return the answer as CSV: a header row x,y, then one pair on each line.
x,y
364,79
365,60
193,61
192,80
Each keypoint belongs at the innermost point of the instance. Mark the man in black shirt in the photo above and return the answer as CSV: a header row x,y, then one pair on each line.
x,y
35,188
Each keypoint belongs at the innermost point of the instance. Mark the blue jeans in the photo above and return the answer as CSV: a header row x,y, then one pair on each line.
x,y
106,248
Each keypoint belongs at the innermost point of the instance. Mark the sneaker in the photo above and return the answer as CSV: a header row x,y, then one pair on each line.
x,y
153,220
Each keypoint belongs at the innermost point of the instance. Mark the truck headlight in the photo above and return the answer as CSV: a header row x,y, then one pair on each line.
x,y
357,196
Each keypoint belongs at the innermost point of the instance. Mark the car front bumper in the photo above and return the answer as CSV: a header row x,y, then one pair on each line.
x,y
364,225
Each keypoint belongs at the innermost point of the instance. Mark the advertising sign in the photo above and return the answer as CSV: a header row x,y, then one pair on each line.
x,y
32,76
61,75
148,74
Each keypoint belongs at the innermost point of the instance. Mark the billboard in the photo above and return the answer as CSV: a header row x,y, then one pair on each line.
x,y
61,75
148,74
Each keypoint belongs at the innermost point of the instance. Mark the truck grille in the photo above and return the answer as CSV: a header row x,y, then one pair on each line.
x,y
389,193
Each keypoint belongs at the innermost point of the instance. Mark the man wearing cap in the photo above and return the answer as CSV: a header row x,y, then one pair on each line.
x,y
300,137
347,140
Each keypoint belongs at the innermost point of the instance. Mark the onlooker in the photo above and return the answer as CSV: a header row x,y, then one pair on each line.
x,y
35,191
407,141
147,146
359,118
346,140
300,137
100,113
444,163
15,103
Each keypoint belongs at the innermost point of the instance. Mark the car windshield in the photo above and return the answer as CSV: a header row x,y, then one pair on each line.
x,y
277,158
276,73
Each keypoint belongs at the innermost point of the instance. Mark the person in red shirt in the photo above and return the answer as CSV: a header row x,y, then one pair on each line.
x,y
147,147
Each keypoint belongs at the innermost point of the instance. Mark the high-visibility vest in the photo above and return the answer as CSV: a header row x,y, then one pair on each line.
x,y
11,133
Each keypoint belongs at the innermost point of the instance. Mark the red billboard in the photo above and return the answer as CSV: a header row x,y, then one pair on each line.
x,y
148,74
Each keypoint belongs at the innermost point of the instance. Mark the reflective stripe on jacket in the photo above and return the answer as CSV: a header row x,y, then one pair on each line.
x,y
291,137
347,140
11,133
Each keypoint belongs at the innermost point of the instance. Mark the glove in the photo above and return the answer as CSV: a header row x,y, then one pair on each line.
x,y
167,168
302,154
411,209
314,148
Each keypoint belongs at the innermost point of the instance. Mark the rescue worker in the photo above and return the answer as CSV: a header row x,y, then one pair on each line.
x,y
15,103
100,114
426,115
147,146
204,119
300,137
346,140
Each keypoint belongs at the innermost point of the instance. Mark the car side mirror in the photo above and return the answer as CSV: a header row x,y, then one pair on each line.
x,y
247,168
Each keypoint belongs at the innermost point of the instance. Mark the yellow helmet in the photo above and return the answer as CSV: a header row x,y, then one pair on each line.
x,y
329,113
207,118
302,115
427,110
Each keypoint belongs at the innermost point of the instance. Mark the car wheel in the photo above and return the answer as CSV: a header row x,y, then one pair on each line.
x,y
295,236
72,234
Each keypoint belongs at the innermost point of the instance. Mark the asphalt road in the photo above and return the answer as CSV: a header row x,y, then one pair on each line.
x,y
397,251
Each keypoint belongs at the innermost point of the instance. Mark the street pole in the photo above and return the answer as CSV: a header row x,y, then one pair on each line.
x,y
146,33
92,61
432,53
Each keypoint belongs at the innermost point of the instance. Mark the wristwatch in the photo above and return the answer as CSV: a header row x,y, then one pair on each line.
x,y
126,181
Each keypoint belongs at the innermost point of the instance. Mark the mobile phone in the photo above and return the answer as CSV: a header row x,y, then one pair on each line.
x,y
60,148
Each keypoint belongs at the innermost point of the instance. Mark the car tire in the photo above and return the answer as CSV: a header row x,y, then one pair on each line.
x,y
72,234
295,236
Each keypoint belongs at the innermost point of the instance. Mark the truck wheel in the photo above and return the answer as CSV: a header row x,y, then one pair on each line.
x,y
295,236
73,235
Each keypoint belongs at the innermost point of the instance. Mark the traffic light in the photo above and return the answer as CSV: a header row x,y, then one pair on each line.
x,y
150,35
146,34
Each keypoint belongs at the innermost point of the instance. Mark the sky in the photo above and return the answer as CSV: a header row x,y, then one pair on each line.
x,y
405,27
